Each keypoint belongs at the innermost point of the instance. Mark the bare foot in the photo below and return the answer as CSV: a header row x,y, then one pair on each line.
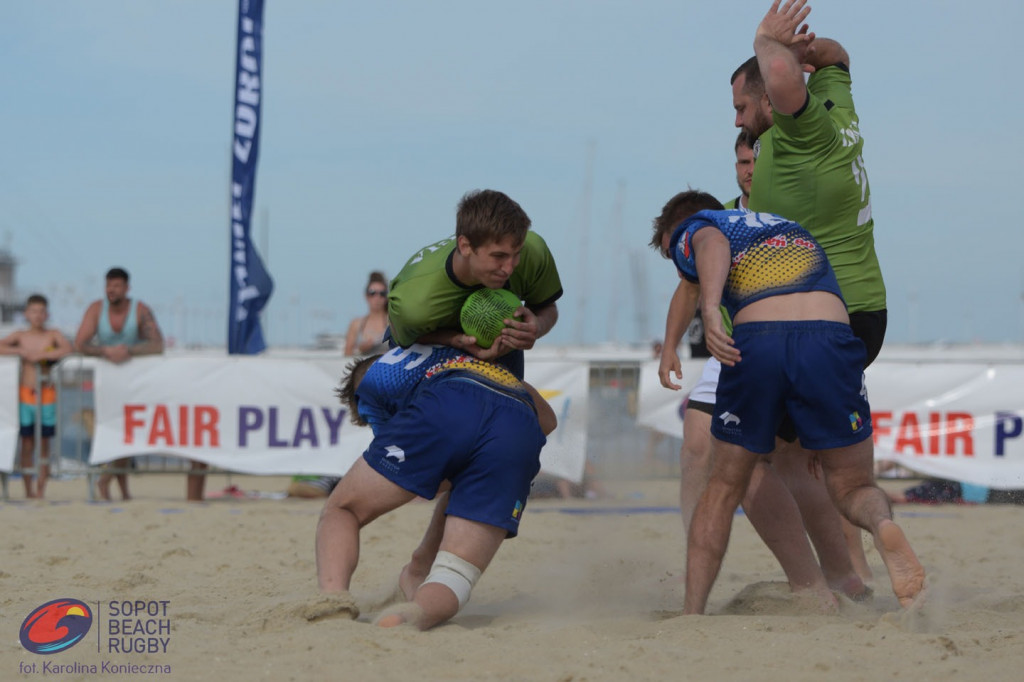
x,y
852,587
859,560
399,614
905,571
410,579
340,605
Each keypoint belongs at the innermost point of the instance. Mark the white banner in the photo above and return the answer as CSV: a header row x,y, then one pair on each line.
x,y
276,416
658,407
248,414
564,384
9,424
961,421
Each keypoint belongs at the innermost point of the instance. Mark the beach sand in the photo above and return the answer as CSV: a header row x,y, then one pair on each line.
x,y
590,590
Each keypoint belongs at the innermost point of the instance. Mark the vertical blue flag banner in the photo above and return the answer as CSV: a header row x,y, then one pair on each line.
x,y
251,285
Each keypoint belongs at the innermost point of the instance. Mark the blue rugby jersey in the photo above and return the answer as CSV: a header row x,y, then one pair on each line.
x,y
771,256
390,384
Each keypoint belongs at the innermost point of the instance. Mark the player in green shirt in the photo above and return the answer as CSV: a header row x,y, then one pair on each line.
x,y
492,247
809,158
809,168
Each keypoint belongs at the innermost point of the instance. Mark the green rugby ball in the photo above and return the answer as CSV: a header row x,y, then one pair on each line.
x,y
484,313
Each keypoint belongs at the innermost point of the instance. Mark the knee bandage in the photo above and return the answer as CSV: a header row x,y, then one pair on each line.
x,y
458,575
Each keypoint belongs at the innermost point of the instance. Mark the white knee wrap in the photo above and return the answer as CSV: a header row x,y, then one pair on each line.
x,y
458,575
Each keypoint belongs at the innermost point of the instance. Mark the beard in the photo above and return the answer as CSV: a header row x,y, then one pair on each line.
x,y
760,125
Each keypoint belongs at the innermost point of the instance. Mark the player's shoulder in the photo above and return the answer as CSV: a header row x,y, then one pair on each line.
x,y
429,256
534,243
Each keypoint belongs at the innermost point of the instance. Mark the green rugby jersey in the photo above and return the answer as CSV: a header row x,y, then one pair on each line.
x,y
810,169
425,296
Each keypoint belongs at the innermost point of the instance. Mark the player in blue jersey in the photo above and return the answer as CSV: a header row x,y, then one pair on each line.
x,y
791,352
438,415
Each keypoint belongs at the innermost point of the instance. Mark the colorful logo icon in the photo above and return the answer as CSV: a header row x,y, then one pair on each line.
x,y
855,421
55,626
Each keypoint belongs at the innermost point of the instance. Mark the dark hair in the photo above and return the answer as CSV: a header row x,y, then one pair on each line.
x,y
377,277
679,208
37,298
118,273
744,139
346,392
489,216
754,84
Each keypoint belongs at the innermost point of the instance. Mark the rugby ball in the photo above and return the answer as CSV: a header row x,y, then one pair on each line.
x,y
484,313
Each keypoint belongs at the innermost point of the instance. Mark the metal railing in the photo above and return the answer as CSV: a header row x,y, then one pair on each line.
x,y
71,445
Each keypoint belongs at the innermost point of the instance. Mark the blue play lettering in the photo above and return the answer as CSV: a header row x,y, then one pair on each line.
x,y
1008,426
311,426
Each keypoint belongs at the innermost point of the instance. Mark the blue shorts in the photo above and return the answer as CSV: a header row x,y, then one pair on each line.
x,y
811,370
485,442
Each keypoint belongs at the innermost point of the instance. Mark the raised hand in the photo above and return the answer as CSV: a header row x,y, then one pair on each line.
x,y
785,25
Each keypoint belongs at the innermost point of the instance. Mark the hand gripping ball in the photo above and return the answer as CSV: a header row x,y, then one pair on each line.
x,y
484,313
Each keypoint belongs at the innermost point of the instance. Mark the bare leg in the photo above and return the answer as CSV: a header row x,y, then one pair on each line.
x,y
44,467
776,518
435,603
565,488
28,446
122,479
855,547
415,572
360,497
849,474
196,483
694,462
712,521
767,503
821,519
103,484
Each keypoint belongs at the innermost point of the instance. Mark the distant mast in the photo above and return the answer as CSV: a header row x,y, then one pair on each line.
x,y
582,274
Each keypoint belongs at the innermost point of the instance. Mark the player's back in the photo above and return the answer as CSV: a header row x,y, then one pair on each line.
x,y
392,381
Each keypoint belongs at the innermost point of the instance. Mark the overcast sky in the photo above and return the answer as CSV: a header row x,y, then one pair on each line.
x,y
377,117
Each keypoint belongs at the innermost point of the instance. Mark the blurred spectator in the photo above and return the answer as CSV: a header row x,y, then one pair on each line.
x,y
117,328
39,348
365,333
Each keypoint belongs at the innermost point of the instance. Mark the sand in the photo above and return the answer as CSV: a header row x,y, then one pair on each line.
x,y
591,590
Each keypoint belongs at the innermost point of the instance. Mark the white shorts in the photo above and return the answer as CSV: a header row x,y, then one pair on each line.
x,y
704,391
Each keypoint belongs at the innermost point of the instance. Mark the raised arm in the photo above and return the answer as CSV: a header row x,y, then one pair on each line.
x,y
826,52
780,45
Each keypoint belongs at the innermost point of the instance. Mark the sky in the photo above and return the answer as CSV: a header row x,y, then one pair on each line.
x,y
377,117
